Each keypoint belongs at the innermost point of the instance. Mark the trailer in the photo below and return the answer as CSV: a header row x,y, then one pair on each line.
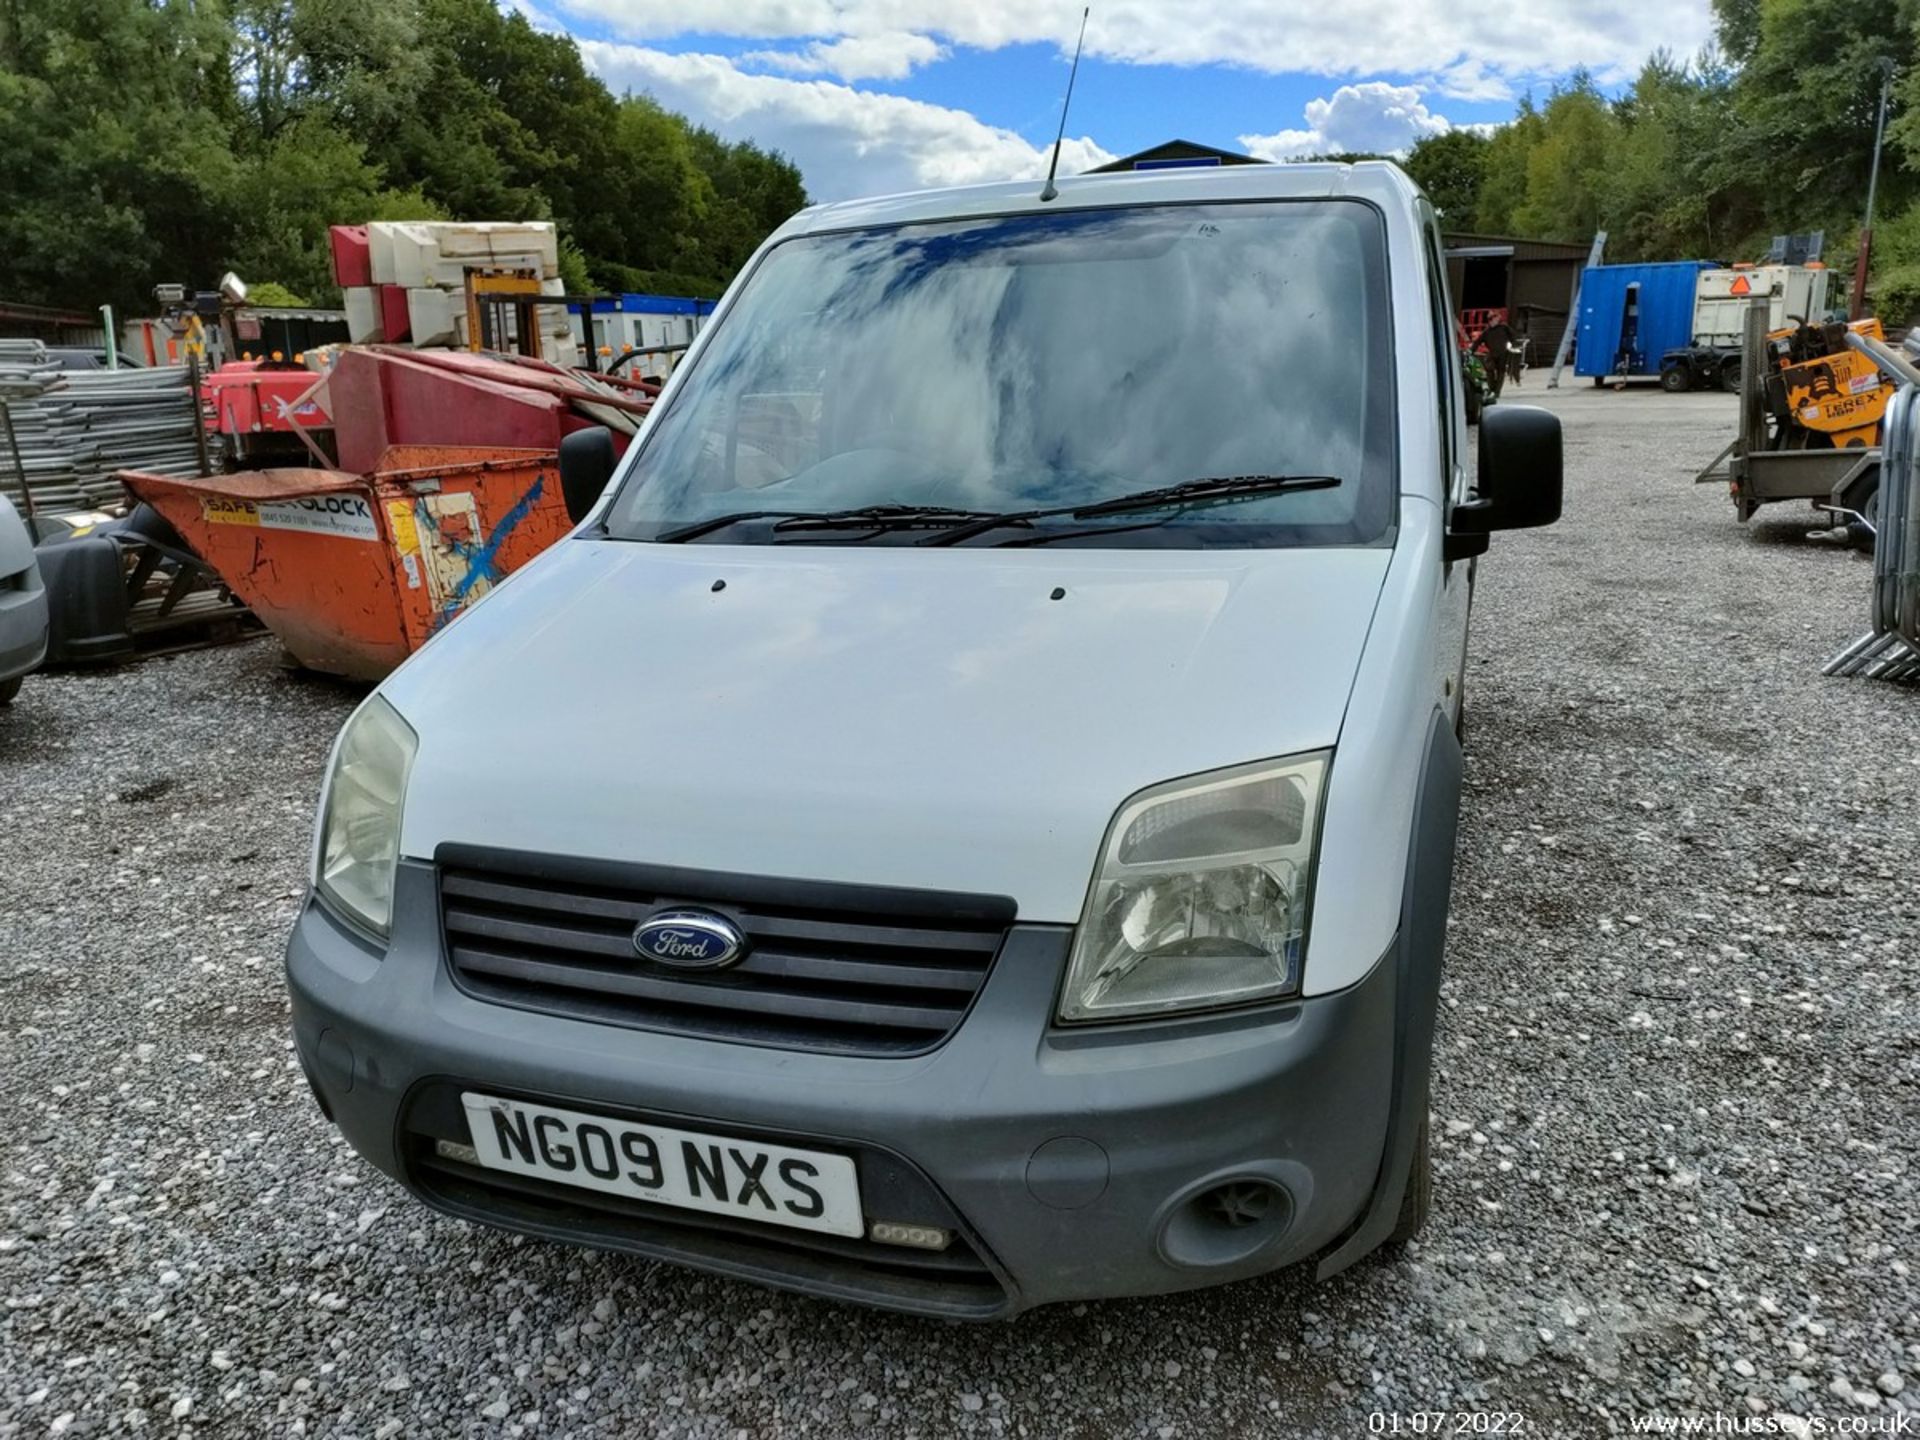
x,y
354,572
1795,295
1631,315
1775,455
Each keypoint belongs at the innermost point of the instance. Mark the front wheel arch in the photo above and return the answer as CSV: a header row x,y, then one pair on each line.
x,y
1417,957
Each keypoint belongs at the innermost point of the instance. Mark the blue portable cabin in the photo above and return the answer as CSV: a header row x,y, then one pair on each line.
x,y
1631,315
637,304
659,326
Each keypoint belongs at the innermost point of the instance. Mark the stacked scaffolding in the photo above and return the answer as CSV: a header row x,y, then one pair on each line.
x,y
75,428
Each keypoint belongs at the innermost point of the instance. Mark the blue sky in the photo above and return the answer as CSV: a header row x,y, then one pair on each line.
x,y
870,96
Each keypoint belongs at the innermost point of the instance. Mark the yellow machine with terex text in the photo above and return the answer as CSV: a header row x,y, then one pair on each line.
x,y
1813,399
1822,393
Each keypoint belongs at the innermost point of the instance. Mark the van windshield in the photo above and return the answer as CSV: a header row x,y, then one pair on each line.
x,y
1039,361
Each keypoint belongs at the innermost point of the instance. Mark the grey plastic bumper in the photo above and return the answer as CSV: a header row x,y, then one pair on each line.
x,y
23,629
1068,1158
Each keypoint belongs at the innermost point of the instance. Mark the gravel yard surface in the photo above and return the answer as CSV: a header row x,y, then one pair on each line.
x,y
1676,1109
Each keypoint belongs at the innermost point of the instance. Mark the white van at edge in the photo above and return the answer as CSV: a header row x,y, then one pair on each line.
x,y
967,819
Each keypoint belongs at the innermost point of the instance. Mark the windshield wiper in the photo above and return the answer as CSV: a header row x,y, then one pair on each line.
x,y
881,517
719,522
957,524
1188,492
875,517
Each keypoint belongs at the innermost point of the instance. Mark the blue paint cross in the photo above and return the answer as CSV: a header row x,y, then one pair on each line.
x,y
480,558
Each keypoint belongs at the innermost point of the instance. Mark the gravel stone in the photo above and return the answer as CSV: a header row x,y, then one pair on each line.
x,y
1673,1100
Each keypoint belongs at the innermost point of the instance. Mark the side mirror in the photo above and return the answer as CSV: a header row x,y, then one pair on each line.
x,y
586,464
1519,484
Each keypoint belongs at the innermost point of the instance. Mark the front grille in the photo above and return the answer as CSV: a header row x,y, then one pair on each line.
x,y
956,1282
853,970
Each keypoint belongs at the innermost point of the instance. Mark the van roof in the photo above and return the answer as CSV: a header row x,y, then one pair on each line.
x,y
1377,180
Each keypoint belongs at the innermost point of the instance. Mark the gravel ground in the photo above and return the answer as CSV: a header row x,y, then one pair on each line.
x,y
1675,1115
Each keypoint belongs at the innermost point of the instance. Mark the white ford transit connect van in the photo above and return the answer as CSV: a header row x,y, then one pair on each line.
x,y
967,820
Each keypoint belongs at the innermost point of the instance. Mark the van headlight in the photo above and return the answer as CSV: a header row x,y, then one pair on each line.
x,y
359,840
1201,896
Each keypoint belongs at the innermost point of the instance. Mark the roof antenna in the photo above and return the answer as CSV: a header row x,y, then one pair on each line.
x,y
1048,192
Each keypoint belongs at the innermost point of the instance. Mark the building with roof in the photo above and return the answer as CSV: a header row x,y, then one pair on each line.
x,y
1532,281
1176,155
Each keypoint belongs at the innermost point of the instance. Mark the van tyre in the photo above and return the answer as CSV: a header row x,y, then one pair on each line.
x,y
9,689
1418,1198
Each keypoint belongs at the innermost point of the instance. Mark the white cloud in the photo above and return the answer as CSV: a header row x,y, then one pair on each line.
x,y
852,141
535,16
847,142
1375,118
1471,50
893,55
1472,80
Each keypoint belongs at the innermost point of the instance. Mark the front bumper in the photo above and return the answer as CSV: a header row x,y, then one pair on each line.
x,y
23,629
1072,1164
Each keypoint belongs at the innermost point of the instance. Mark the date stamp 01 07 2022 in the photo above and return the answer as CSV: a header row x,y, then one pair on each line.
x,y
1447,1422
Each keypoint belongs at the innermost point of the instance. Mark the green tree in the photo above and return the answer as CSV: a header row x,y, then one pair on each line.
x,y
665,195
1568,167
753,191
1805,104
1896,268
307,178
1503,178
1738,24
1451,167
169,140
116,170
1661,197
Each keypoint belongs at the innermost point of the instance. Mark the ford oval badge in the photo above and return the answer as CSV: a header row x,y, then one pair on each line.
x,y
690,939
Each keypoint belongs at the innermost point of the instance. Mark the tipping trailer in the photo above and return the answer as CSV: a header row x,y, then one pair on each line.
x,y
439,483
354,572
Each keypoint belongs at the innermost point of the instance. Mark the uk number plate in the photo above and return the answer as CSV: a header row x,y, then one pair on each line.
x,y
805,1189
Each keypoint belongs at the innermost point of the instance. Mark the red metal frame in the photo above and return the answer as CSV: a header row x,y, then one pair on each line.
x,y
1476,322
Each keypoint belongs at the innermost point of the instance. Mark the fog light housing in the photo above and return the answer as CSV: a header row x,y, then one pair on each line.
x,y
1226,1221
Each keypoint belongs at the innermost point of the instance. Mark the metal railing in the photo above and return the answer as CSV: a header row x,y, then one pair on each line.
x,y
1891,649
